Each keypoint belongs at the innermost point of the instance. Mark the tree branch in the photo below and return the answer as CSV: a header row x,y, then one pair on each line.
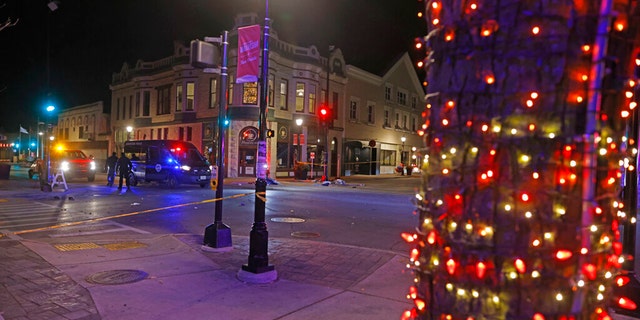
x,y
8,23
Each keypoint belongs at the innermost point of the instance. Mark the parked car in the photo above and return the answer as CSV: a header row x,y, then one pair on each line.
x,y
74,163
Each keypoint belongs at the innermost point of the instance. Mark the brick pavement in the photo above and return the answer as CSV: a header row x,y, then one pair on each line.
x,y
33,289
312,262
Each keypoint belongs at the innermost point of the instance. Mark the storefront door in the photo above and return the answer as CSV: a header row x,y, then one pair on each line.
x,y
247,161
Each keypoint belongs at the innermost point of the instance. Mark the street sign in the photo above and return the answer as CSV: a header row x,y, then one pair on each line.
x,y
204,54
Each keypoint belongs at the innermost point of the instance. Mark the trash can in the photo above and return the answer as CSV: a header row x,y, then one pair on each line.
x,y
5,170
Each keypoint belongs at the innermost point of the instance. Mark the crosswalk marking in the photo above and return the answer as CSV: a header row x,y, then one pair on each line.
x,y
21,216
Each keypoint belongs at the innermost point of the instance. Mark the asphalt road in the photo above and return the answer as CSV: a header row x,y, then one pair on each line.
x,y
364,211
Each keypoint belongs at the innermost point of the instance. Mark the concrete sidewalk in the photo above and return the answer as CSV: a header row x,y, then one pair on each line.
x,y
146,276
171,277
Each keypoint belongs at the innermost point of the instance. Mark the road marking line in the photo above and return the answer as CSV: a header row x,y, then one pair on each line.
x,y
124,226
75,223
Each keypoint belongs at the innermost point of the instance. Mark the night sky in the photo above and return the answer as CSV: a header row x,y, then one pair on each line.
x,y
91,39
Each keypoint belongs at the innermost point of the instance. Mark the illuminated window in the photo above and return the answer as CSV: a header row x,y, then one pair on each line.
x,y
250,93
191,91
299,97
283,96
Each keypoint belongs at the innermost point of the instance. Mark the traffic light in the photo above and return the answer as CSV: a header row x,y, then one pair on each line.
x,y
324,115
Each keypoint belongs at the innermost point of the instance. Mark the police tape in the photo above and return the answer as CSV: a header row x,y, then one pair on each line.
x,y
259,195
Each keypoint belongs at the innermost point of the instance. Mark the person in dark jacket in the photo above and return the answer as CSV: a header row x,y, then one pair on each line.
x,y
110,166
124,169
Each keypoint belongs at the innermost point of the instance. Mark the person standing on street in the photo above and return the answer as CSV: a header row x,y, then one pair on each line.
x,y
110,165
124,169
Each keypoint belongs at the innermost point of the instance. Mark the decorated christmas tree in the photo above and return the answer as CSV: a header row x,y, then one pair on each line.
x,y
528,144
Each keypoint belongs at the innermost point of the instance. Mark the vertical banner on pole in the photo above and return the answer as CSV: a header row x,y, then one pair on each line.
x,y
261,160
248,54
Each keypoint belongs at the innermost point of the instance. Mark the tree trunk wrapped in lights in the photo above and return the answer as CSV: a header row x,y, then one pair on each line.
x,y
509,228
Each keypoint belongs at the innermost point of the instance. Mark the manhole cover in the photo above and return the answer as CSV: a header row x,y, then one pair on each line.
x,y
117,277
305,234
288,220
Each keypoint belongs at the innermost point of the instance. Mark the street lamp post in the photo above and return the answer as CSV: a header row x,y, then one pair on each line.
x,y
299,122
129,131
413,156
45,177
40,149
403,139
326,128
217,236
258,269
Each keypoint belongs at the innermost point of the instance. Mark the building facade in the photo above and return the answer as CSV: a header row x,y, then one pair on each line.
x,y
375,118
85,127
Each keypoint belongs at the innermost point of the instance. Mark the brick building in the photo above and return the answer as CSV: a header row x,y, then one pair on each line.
x,y
375,116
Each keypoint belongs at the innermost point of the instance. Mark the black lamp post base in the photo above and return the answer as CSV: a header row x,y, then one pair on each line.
x,y
217,235
258,269
266,274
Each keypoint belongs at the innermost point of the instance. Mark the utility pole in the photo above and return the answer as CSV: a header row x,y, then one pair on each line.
x,y
327,157
218,235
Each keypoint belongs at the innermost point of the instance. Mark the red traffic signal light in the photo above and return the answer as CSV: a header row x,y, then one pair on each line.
x,y
324,114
